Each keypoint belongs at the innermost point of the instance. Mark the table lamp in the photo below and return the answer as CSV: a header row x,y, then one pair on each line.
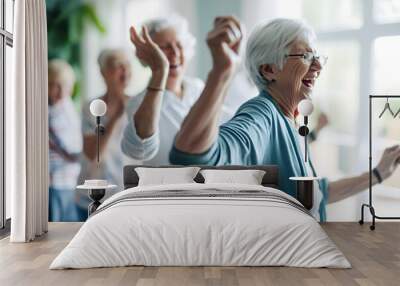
x,y
305,185
305,108
97,188
98,108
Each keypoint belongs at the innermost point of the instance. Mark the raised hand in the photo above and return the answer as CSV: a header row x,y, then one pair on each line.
x,y
148,52
389,161
224,42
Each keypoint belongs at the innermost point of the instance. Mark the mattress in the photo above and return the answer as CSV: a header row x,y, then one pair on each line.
x,y
201,225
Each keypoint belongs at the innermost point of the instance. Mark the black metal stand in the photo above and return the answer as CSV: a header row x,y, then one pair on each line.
x,y
100,130
370,205
96,195
305,190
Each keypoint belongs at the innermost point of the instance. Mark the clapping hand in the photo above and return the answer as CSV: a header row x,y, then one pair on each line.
x,y
224,42
148,52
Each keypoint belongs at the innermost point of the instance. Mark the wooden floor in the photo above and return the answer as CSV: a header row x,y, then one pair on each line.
x,y
375,257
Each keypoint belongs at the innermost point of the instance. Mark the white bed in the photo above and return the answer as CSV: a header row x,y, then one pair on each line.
x,y
249,225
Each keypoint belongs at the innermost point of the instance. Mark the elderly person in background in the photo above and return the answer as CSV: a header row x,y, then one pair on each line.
x,y
322,122
116,71
156,114
283,63
65,142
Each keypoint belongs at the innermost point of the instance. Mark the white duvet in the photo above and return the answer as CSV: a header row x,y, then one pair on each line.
x,y
192,231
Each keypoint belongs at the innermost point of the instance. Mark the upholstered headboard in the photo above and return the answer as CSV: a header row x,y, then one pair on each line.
x,y
270,178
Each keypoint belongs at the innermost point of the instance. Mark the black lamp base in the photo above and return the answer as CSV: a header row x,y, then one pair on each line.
x,y
305,190
305,193
96,195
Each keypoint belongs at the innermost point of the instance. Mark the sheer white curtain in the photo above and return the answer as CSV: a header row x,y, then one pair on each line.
x,y
27,124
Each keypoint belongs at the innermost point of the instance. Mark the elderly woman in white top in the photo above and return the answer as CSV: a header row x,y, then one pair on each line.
x,y
65,142
157,113
116,71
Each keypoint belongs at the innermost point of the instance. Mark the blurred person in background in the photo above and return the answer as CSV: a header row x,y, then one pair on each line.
x,y
116,71
156,114
322,122
65,142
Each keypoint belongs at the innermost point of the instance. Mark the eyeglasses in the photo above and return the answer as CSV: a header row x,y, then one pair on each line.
x,y
310,57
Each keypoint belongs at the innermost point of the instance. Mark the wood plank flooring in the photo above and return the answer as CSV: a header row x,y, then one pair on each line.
x,y
375,257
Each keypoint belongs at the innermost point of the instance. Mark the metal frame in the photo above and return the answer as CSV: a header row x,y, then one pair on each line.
x,y
364,36
6,39
370,204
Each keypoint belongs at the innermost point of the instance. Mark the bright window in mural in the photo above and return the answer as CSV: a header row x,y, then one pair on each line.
x,y
385,80
340,80
327,15
386,11
372,67
338,84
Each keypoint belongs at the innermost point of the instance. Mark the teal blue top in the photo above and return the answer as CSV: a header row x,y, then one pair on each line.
x,y
258,134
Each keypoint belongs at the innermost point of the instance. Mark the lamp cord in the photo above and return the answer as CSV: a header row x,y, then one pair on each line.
x,y
305,148
98,139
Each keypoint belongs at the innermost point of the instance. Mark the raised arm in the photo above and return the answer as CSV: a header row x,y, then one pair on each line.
x,y
200,127
347,187
147,116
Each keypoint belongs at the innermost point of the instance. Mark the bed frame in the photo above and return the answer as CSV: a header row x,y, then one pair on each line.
x,y
270,179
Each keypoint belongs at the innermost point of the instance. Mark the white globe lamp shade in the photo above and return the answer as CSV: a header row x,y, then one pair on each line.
x,y
305,107
98,107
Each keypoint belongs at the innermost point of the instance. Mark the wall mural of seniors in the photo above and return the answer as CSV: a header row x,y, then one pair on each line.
x,y
282,62
156,114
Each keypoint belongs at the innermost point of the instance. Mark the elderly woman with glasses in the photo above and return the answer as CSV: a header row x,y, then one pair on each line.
x,y
282,62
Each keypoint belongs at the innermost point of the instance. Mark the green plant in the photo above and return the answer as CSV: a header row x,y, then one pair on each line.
x,y
65,27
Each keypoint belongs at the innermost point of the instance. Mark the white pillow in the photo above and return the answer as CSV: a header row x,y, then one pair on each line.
x,y
248,177
165,176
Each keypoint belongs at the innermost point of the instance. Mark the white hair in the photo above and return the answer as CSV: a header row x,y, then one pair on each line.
x,y
62,72
181,27
107,54
269,43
